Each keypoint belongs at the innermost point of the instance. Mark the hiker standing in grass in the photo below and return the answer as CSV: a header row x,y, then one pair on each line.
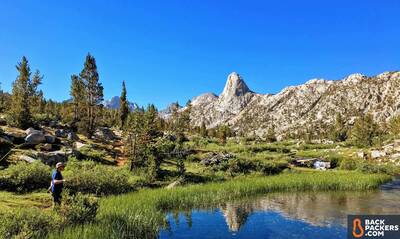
x,y
57,183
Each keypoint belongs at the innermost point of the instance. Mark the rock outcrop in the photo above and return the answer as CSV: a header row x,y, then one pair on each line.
x,y
214,110
312,105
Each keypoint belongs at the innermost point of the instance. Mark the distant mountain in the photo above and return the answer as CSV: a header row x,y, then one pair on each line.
x,y
311,106
113,103
166,113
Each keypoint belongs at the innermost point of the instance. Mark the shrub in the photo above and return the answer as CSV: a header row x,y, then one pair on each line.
x,y
27,223
272,167
238,166
241,166
79,208
91,177
180,166
366,166
335,160
348,164
24,177
89,153
373,167
193,158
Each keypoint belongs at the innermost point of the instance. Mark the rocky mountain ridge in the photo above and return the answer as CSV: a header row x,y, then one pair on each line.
x,y
114,103
313,104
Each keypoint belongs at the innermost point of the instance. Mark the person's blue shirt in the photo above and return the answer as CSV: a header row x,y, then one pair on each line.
x,y
56,188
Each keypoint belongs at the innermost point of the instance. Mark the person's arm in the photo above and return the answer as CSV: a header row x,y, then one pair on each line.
x,y
51,185
58,181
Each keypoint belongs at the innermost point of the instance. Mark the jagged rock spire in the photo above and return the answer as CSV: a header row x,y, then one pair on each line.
x,y
235,86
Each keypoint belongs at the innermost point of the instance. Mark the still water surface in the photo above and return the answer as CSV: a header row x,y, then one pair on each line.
x,y
283,215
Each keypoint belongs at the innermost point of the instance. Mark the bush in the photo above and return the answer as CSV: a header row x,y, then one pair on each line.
x,y
35,223
367,166
348,164
88,153
371,167
335,160
27,223
193,158
91,177
241,166
79,208
272,167
24,177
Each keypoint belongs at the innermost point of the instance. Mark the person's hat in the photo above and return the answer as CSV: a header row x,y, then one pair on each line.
x,y
59,164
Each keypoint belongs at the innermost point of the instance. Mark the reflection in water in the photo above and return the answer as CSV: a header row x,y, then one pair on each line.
x,y
316,208
317,211
236,214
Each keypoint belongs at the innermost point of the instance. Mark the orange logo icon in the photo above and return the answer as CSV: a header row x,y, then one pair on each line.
x,y
357,225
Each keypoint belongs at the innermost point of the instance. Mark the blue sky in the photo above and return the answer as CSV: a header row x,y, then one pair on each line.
x,y
174,50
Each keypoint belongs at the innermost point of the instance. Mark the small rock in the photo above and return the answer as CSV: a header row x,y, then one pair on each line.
x,y
5,141
32,131
54,124
322,165
174,184
16,137
362,155
54,157
388,148
62,133
50,139
79,145
27,158
46,147
216,158
395,156
72,136
35,138
104,133
377,154
396,143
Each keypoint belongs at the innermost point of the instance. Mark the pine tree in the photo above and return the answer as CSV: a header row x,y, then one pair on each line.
x,y
135,145
364,131
394,126
35,96
93,96
124,107
223,133
203,129
270,135
77,93
3,105
20,114
185,117
150,127
339,130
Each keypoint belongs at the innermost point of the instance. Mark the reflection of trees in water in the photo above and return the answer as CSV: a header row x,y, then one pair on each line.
x,y
188,217
317,208
236,214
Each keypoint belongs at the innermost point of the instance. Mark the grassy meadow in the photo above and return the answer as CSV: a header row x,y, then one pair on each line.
x,y
131,206
142,214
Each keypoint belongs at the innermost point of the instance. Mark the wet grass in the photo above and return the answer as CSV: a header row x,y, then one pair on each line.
x,y
142,214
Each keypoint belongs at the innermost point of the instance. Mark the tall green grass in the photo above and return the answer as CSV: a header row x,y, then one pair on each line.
x,y
142,214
